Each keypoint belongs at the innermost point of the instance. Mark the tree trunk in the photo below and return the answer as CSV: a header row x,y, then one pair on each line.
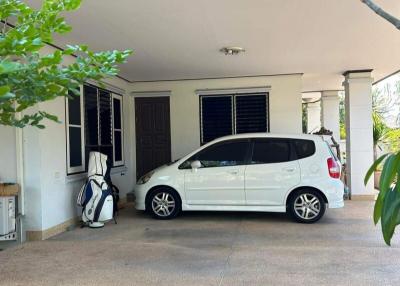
x,y
378,10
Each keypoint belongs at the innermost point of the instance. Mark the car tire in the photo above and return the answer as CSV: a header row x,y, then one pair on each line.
x,y
306,206
163,203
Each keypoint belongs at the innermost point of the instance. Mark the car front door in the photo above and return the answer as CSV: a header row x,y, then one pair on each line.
x,y
271,172
220,179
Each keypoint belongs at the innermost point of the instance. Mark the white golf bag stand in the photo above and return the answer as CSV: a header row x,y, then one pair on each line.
x,y
95,196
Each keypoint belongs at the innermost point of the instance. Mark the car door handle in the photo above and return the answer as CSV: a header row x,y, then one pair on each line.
x,y
289,170
233,172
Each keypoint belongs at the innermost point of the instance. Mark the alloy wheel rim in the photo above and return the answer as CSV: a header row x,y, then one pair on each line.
x,y
163,204
307,206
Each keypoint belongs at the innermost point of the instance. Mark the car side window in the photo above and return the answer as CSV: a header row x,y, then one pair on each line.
x,y
223,154
304,148
268,151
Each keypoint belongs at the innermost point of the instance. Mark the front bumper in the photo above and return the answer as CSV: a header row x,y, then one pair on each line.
x,y
140,194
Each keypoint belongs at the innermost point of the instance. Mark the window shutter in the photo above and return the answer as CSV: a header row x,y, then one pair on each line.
x,y
216,117
251,113
105,118
75,134
90,95
118,137
91,115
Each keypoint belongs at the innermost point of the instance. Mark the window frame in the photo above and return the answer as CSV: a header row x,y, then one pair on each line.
x,y
121,100
246,159
82,169
233,96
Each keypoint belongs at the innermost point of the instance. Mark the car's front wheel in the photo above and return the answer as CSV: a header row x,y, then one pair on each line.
x,y
164,203
306,206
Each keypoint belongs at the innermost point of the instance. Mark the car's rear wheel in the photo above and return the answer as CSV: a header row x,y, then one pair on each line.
x,y
164,203
306,206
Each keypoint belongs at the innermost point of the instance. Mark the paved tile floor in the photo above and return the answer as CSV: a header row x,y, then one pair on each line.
x,y
202,248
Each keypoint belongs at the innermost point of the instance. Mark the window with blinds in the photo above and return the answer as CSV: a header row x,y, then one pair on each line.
x,y
217,118
251,113
98,128
94,123
232,114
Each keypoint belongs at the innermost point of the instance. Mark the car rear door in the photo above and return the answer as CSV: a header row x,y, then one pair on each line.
x,y
272,171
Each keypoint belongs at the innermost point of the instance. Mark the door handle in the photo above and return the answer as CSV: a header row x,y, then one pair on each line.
x,y
233,172
289,170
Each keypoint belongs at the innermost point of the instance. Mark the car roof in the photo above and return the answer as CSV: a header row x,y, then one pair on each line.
x,y
252,135
268,135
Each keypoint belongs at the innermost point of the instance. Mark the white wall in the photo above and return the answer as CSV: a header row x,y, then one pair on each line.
x,y
32,152
50,184
50,195
359,135
330,112
284,100
313,117
8,169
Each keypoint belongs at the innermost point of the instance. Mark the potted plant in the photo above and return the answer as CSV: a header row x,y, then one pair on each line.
x,y
380,132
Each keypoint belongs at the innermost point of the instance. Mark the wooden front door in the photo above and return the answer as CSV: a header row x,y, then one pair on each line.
x,y
153,133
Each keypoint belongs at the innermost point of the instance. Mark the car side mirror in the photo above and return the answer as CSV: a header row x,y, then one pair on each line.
x,y
195,165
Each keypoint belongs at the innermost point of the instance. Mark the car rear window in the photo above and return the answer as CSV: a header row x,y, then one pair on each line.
x,y
304,148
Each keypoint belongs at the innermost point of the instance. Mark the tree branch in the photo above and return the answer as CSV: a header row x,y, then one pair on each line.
x,y
378,10
3,31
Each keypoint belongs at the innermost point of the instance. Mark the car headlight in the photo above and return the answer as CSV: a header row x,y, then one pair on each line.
x,y
145,178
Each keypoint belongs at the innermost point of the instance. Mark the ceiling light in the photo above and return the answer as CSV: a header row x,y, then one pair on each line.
x,y
229,51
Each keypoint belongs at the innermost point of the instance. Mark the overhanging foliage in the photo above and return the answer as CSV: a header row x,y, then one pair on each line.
x,y
27,76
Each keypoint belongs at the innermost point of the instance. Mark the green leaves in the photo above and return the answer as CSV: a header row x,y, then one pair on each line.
x,y
5,94
390,214
4,90
374,167
27,77
379,128
7,66
387,205
389,171
65,5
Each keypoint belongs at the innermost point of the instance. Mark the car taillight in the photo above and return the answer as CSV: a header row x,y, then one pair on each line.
x,y
333,168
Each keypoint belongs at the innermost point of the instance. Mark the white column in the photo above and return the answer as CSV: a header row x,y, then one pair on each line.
x,y
330,112
359,145
313,116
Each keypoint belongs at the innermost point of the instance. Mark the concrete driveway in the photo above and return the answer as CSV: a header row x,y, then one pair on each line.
x,y
344,248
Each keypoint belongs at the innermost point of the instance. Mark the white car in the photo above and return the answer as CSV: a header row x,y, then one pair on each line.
x,y
260,172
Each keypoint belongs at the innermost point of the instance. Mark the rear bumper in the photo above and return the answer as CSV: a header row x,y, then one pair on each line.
x,y
336,204
334,193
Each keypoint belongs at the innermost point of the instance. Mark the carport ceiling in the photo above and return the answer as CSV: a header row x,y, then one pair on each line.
x,y
180,39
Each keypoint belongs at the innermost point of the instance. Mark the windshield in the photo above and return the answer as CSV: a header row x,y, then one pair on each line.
x,y
173,162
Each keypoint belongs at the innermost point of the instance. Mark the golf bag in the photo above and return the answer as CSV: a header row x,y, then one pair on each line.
x,y
114,188
95,196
